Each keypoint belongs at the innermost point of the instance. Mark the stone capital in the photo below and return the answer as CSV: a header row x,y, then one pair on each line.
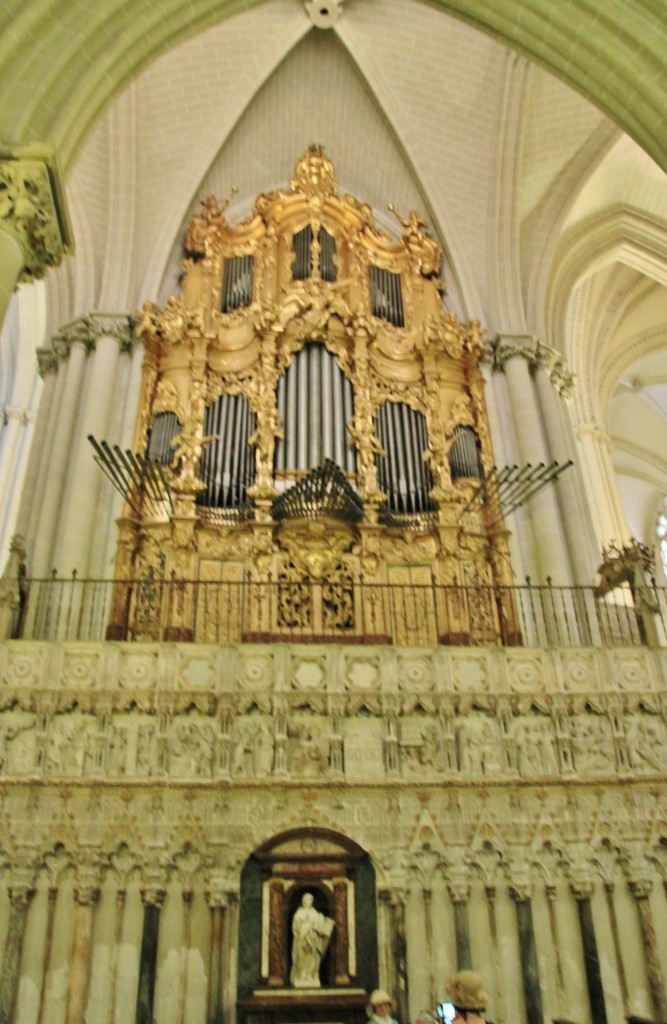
x,y
33,209
47,362
153,895
640,887
76,332
113,325
505,347
20,894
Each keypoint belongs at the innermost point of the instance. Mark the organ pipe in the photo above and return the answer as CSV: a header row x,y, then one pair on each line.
x,y
227,467
402,473
165,427
315,403
237,283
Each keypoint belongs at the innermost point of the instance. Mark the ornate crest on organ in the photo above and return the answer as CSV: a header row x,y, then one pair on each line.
x,y
308,349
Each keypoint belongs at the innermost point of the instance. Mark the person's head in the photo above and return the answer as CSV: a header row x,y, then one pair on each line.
x,y
307,900
379,1004
466,992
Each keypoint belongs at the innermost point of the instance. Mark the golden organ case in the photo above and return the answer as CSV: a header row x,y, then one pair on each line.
x,y
319,422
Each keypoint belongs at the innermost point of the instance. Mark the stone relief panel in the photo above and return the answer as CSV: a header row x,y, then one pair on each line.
x,y
647,743
479,745
191,712
191,743
592,747
70,744
18,743
363,745
421,746
308,745
253,745
535,745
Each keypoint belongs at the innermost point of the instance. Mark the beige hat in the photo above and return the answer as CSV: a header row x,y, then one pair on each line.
x,y
378,995
466,992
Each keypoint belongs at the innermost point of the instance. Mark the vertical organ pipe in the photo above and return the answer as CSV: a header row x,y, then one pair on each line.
x,y
312,353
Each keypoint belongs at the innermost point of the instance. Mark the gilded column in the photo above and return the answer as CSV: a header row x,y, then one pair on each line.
x,y
34,226
20,895
152,897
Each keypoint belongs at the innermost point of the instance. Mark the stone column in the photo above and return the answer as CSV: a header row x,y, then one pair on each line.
x,y
74,340
520,892
121,897
553,387
604,498
48,943
47,362
341,967
397,899
458,887
217,901
276,936
641,890
517,356
20,895
152,897
85,478
582,890
34,226
86,894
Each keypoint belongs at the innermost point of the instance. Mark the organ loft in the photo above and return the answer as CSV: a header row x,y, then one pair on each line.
x,y
312,422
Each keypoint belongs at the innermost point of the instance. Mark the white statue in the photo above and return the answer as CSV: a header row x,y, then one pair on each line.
x,y
311,932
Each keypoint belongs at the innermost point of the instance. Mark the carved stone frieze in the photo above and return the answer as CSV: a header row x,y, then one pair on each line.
x,y
148,711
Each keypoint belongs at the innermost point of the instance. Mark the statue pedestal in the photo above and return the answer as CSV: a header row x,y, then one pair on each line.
x,y
304,1006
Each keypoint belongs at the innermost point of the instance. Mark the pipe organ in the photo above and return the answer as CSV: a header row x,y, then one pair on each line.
x,y
306,337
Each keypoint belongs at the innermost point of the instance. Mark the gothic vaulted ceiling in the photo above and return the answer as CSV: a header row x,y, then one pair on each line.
x,y
531,134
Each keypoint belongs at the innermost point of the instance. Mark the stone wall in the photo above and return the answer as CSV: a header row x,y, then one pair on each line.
x,y
512,802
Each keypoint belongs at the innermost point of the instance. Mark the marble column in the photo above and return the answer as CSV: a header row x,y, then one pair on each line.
x,y
582,892
217,901
77,343
399,950
599,474
551,556
35,485
20,895
48,944
277,938
121,898
641,890
530,975
85,478
459,893
341,967
569,490
86,895
35,231
11,263
152,898
186,942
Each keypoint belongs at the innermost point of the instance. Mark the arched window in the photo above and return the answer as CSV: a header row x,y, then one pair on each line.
x,y
661,531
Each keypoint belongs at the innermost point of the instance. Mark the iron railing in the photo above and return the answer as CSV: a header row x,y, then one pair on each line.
x,y
349,611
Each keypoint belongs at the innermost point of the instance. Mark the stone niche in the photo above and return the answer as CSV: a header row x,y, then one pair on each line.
x,y
334,878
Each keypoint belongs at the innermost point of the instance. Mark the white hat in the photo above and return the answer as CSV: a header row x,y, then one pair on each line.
x,y
378,995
